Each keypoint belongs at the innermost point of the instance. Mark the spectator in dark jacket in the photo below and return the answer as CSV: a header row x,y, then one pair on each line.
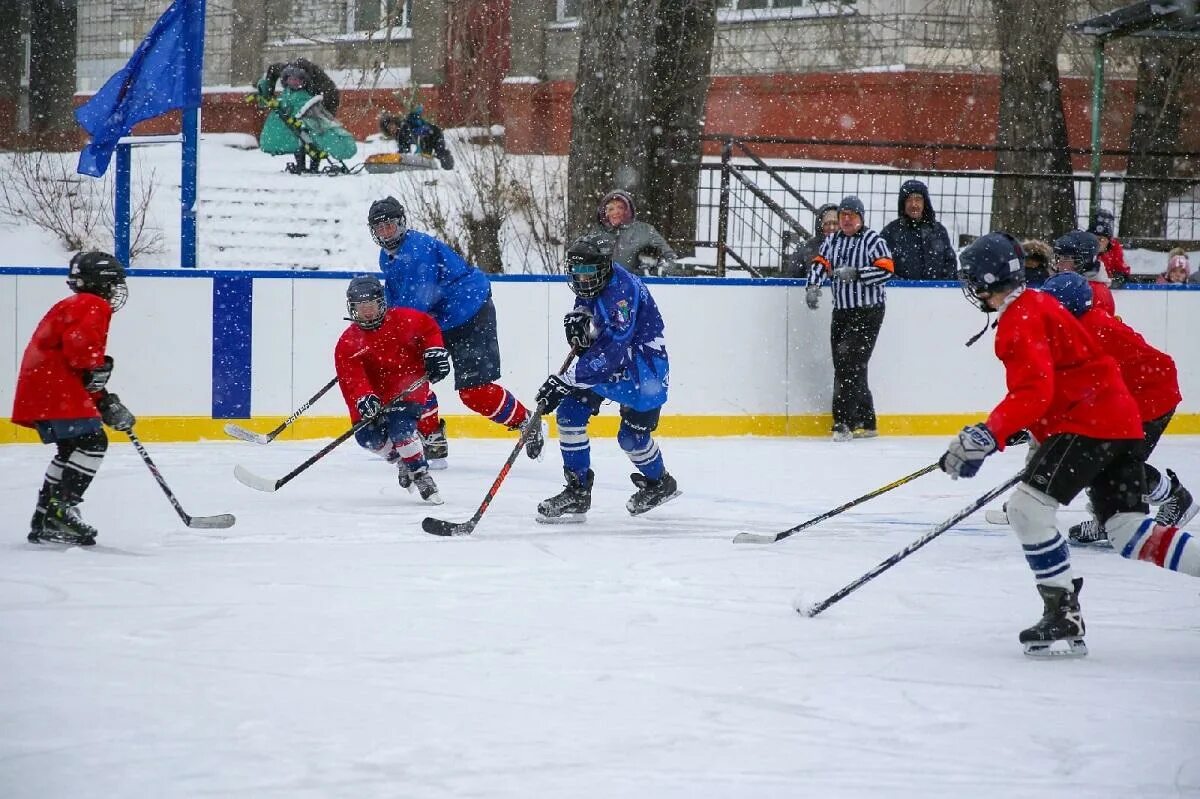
x,y
826,223
300,73
919,243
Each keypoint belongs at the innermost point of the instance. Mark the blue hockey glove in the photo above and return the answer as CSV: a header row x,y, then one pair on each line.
x,y
552,392
812,296
578,327
94,380
437,363
114,413
966,453
369,406
847,273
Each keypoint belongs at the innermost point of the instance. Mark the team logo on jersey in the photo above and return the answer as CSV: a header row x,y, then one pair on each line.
x,y
622,311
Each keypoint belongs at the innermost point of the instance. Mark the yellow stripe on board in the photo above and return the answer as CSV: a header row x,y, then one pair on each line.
x,y
203,428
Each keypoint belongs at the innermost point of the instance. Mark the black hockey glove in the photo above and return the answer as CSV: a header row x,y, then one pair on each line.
x,y
1019,437
578,327
552,392
114,413
94,380
369,406
437,363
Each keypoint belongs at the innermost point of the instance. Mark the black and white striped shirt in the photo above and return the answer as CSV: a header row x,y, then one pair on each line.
x,y
866,250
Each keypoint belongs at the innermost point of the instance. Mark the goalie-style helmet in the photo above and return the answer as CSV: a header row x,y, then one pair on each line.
x,y
388,223
1081,248
1072,290
101,274
366,302
589,263
991,263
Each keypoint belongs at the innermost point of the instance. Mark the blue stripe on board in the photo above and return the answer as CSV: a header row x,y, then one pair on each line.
x,y
233,314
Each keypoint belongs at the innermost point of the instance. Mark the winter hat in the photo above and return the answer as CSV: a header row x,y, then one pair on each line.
x,y
851,203
1102,224
624,197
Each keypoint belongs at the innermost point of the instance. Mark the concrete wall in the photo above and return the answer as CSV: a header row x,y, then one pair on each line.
x,y
746,356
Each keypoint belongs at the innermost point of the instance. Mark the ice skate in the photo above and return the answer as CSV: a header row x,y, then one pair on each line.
x,y
61,522
437,447
536,439
569,506
651,493
1089,534
428,489
404,476
863,432
1180,508
1060,631
842,432
997,516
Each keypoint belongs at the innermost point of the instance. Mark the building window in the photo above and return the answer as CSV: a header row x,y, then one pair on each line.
x,y
568,9
374,15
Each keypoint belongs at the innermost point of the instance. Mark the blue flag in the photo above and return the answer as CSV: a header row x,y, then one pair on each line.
x,y
164,73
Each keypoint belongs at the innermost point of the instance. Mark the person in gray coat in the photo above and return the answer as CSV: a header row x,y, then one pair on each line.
x,y
635,245
826,219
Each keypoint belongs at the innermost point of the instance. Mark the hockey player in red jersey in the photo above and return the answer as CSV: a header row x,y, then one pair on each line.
x,y
1070,396
61,393
377,358
1079,251
1151,377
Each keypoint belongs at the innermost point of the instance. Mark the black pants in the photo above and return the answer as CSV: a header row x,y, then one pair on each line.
x,y
1151,432
1111,470
852,338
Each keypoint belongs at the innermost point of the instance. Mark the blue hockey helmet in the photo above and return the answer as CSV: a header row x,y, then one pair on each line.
x,y
589,263
1081,248
991,263
366,302
388,223
1072,290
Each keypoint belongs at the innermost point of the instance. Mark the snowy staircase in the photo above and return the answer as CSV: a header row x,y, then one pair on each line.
x,y
271,225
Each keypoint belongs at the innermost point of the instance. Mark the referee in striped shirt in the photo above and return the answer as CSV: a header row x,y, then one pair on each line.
x,y
859,264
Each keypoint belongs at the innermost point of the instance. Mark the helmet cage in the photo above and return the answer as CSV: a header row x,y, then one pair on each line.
x,y
589,277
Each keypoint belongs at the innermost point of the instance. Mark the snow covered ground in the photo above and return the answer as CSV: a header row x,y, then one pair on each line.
x,y
326,647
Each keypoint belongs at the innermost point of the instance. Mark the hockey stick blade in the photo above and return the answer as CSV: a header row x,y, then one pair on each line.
x,y
444,528
242,434
249,478
219,522
755,538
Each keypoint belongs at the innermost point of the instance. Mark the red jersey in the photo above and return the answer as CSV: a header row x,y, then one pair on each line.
x,y
1102,297
1059,380
1114,258
70,339
386,360
1149,374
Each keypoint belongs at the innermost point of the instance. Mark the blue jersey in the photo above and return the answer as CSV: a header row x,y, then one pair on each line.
x,y
627,362
428,275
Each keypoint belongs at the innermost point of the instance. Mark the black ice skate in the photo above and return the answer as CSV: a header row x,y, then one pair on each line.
x,y
569,506
1089,534
61,522
651,493
842,432
536,439
428,489
1062,622
1180,508
437,447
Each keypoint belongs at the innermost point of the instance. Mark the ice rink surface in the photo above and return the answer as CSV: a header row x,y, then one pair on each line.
x,y
326,647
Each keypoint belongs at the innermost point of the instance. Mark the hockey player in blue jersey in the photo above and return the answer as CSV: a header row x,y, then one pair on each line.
x,y
424,273
617,331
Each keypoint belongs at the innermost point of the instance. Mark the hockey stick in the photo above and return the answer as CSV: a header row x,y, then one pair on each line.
x,y
248,478
768,538
239,432
444,528
218,522
813,610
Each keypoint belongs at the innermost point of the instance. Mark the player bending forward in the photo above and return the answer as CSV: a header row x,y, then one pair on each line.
x,y
61,393
1069,395
618,332
377,358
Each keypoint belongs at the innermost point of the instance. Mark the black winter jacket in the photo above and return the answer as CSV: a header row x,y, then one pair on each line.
x,y
920,249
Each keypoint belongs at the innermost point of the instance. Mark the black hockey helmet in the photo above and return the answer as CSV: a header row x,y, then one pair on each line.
x,y
99,273
1081,248
366,302
589,263
991,263
388,223
1103,223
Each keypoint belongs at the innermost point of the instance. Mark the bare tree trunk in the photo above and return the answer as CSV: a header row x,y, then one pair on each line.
x,y
1032,122
609,134
683,60
52,74
1165,69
